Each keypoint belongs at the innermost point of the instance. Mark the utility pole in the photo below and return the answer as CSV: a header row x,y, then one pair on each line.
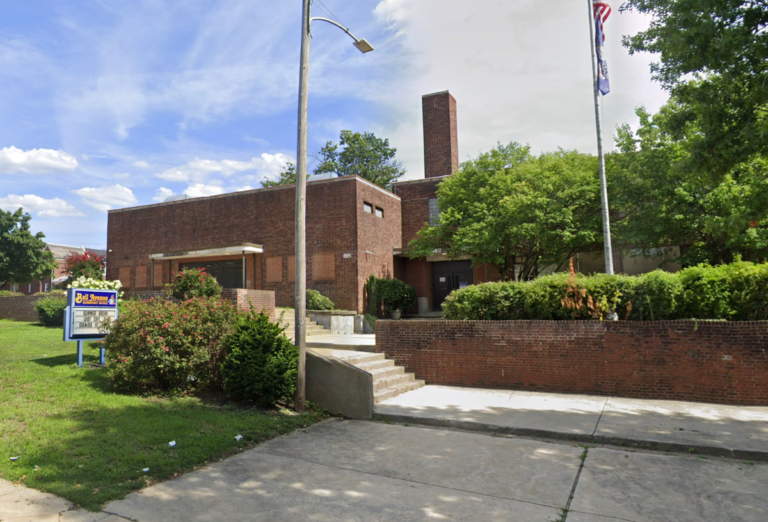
x,y
300,333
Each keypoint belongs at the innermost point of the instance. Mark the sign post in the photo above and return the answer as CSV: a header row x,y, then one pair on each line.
x,y
86,311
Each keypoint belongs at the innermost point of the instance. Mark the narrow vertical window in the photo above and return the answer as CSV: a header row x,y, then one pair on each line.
x,y
434,213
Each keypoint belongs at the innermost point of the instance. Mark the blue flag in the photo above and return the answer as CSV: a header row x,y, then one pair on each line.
x,y
603,84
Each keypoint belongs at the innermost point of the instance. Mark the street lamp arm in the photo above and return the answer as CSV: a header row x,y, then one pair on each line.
x,y
334,23
361,43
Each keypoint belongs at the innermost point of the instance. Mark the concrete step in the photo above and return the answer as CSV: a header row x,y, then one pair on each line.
x,y
392,381
359,360
375,365
388,393
388,371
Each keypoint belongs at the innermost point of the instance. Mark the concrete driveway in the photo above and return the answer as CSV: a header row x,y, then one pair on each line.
x,y
372,471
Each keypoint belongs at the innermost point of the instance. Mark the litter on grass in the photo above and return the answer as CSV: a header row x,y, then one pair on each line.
x,y
239,438
15,458
172,443
145,470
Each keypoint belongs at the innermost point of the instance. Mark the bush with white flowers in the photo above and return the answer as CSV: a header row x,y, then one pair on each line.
x,y
96,284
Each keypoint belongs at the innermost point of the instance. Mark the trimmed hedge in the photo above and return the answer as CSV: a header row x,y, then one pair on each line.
x,y
50,310
734,292
317,301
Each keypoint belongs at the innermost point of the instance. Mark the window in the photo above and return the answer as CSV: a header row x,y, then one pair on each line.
x,y
434,213
367,207
379,212
46,287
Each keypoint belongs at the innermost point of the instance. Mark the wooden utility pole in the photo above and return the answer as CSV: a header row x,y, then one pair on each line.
x,y
300,333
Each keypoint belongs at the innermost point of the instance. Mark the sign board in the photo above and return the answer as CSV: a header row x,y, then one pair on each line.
x,y
86,311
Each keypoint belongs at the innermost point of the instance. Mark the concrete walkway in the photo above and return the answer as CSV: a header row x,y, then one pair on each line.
x,y
339,471
709,429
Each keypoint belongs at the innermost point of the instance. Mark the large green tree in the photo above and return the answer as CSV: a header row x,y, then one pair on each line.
x,y
713,58
362,155
509,207
659,200
23,257
287,177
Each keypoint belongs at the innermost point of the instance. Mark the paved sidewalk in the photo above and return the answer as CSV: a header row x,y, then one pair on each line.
x,y
709,429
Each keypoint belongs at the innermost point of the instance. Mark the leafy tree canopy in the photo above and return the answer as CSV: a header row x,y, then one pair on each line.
x,y
362,155
88,264
510,207
661,201
23,257
287,177
714,60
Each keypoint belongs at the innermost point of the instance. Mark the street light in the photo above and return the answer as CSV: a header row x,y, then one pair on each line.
x,y
300,335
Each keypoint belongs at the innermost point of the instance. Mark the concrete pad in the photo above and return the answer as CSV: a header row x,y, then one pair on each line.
x,y
87,516
532,471
658,488
537,414
737,430
259,486
22,504
339,354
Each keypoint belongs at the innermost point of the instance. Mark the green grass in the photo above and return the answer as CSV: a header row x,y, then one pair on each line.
x,y
77,438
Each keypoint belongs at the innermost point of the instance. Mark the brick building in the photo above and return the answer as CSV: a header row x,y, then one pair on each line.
x,y
60,253
354,229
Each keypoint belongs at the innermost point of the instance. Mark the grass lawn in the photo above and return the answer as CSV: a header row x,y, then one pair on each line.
x,y
78,439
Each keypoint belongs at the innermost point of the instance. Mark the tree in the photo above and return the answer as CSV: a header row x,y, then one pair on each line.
x,y
287,177
23,257
362,155
88,264
661,201
510,208
714,62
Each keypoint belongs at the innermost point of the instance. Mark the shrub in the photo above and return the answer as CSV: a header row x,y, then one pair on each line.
x,y
392,293
317,301
261,365
193,282
165,346
8,293
88,264
726,292
58,292
50,310
96,284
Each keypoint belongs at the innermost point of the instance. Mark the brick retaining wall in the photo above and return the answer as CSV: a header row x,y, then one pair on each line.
x,y
262,300
19,308
720,362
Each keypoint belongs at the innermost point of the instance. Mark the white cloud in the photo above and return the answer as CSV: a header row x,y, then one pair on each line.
x,y
241,189
200,190
107,198
141,164
516,75
162,194
55,207
199,170
35,161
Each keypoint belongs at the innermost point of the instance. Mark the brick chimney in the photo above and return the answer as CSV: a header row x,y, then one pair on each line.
x,y
441,141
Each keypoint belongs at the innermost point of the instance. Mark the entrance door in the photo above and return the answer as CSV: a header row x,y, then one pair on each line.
x,y
228,274
448,276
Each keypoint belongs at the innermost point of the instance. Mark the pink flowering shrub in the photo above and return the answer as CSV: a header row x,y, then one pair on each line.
x,y
164,346
193,282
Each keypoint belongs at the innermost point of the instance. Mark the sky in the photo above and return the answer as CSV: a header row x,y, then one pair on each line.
x,y
110,104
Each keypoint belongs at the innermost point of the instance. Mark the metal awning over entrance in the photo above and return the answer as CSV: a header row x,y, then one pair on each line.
x,y
245,248
234,250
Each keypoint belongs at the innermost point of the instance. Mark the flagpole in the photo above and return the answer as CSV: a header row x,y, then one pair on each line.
x,y
608,251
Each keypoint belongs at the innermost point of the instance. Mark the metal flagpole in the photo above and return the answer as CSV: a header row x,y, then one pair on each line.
x,y
608,251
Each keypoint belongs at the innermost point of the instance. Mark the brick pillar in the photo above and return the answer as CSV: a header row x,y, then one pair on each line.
x,y
441,141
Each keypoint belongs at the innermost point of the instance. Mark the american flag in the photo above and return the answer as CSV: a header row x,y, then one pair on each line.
x,y
602,11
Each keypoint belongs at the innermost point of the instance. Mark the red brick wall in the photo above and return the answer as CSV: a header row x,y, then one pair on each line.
x,y
19,308
377,236
441,142
261,300
720,362
264,216
415,196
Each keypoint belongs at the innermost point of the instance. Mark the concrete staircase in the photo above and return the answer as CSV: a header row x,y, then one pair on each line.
x,y
287,317
388,380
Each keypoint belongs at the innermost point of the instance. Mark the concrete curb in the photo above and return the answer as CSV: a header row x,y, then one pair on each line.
x,y
672,447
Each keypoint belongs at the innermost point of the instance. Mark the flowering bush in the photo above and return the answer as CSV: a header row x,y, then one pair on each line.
x,y
161,346
88,264
96,284
193,282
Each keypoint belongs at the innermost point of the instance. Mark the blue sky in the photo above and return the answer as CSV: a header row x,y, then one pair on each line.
x,y
109,104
